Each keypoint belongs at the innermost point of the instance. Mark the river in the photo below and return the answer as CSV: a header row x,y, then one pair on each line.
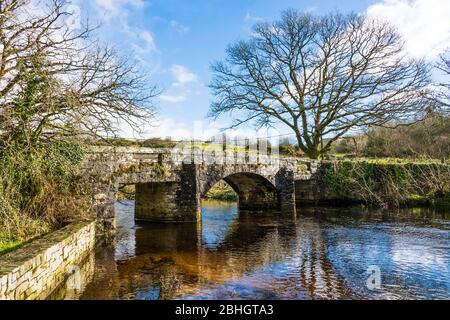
x,y
320,253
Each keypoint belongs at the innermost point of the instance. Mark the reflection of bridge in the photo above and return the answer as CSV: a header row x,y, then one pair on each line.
x,y
169,184
173,261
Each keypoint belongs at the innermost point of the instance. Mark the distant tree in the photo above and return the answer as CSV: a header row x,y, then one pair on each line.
x,y
320,76
57,82
428,138
442,94
350,145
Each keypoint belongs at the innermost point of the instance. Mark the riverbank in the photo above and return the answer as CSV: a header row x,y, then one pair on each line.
x,y
222,191
377,183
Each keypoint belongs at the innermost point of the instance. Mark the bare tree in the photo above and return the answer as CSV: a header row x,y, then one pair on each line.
x,y
442,94
320,76
56,81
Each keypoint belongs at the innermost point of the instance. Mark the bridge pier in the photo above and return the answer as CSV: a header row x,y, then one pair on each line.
x,y
169,201
285,184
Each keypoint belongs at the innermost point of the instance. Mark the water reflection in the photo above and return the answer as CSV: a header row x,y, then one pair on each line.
x,y
321,253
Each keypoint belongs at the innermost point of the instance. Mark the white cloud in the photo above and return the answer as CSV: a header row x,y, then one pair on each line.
x,y
168,127
182,75
249,18
172,99
116,16
178,27
161,128
115,8
148,39
424,24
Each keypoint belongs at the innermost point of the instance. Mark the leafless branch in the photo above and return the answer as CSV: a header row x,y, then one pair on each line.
x,y
320,76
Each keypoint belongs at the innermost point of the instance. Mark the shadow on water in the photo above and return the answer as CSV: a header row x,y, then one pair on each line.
x,y
321,253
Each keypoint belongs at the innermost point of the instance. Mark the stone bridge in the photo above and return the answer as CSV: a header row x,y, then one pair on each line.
x,y
170,182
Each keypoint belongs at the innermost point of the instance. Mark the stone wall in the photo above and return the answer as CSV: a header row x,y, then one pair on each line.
x,y
315,191
37,269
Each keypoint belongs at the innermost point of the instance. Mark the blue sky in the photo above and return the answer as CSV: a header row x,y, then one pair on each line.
x,y
176,41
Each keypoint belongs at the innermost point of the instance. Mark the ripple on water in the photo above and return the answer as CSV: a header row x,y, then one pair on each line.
x,y
322,253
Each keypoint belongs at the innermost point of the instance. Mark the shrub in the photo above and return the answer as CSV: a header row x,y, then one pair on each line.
x,y
39,190
286,148
388,184
427,138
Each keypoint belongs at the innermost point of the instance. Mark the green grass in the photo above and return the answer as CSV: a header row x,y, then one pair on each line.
x,y
8,246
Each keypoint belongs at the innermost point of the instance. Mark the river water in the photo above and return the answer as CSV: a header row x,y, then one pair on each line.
x,y
320,253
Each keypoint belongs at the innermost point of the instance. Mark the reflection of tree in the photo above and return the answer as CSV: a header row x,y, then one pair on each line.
x,y
316,271
325,256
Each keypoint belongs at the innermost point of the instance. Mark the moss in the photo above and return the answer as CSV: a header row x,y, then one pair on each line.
x,y
302,167
160,169
416,200
126,192
127,170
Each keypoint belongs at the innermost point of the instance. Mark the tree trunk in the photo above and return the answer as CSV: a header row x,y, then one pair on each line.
x,y
313,153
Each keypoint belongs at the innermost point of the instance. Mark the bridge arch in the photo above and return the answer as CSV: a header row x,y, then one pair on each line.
x,y
254,191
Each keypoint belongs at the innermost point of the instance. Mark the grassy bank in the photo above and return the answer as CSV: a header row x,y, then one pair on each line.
x,y
221,191
384,183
